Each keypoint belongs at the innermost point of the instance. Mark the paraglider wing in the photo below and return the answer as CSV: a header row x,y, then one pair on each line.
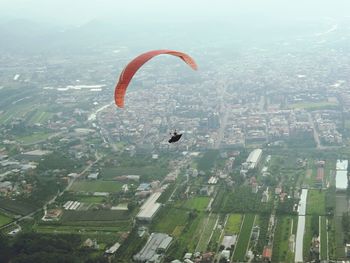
x,y
130,70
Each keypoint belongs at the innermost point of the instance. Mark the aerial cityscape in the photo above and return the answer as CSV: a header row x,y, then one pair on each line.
x,y
260,173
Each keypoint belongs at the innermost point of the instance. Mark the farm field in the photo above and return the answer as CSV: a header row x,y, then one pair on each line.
x,y
4,219
244,238
90,199
96,186
94,215
198,203
207,232
17,207
323,233
111,230
316,202
34,137
233,224
315,105
281,252
146,172
170,221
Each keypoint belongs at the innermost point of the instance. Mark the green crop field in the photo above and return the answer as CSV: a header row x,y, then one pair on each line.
x,y
4,219
244,238
94,215
169,219
324,243
82,229
315,105
281,252
233,224
34,137
90,199
316,202
198,203
17,207
207,232
96,186
146,172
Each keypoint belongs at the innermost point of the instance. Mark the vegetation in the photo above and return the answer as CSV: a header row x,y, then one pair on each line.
x,y
197,203
242,200
40,248
233,224
324,239
4,219
96,186
94,215
281,251
244,238
56,160
17,207
315,202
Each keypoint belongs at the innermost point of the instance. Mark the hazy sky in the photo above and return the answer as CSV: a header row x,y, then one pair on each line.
x,y
81,11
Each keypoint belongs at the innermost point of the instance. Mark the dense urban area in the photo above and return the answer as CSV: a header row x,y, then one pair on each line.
x,y
260,174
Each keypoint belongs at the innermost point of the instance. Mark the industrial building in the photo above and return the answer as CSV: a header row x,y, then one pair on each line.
x,y
156,245
252,161
341,178
254,158
149,208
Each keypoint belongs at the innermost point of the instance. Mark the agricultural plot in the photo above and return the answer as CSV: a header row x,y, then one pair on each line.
x,y
94,215
147,172
281,251
90,199
323,238
96,186
34,137
4,219
171,221
233,224
40,116
315,105
244,238
316,202
17,207
82,229
207,232
198,203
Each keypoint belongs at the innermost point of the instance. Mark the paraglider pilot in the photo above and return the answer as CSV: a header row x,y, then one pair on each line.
x,y
175,137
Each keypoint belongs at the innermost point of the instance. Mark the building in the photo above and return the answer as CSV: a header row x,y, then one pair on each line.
x,y
112,249
149,208
341,177
341,180
156,245
267,253
93,176
252,160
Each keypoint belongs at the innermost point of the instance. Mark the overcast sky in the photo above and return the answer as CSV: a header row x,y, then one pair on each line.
x,y
78,12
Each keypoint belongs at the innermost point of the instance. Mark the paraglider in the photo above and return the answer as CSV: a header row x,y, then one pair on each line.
x,y
133,66
175,137
130,70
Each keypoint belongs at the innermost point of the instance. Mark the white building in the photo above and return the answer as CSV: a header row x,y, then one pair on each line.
x,y
341,177
156,244
254,158
342,165
149,208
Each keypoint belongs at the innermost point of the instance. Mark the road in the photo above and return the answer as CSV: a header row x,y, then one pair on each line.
x,y
223,115
316,136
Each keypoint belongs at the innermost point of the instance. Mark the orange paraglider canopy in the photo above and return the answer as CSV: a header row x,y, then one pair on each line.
x,y
130,70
